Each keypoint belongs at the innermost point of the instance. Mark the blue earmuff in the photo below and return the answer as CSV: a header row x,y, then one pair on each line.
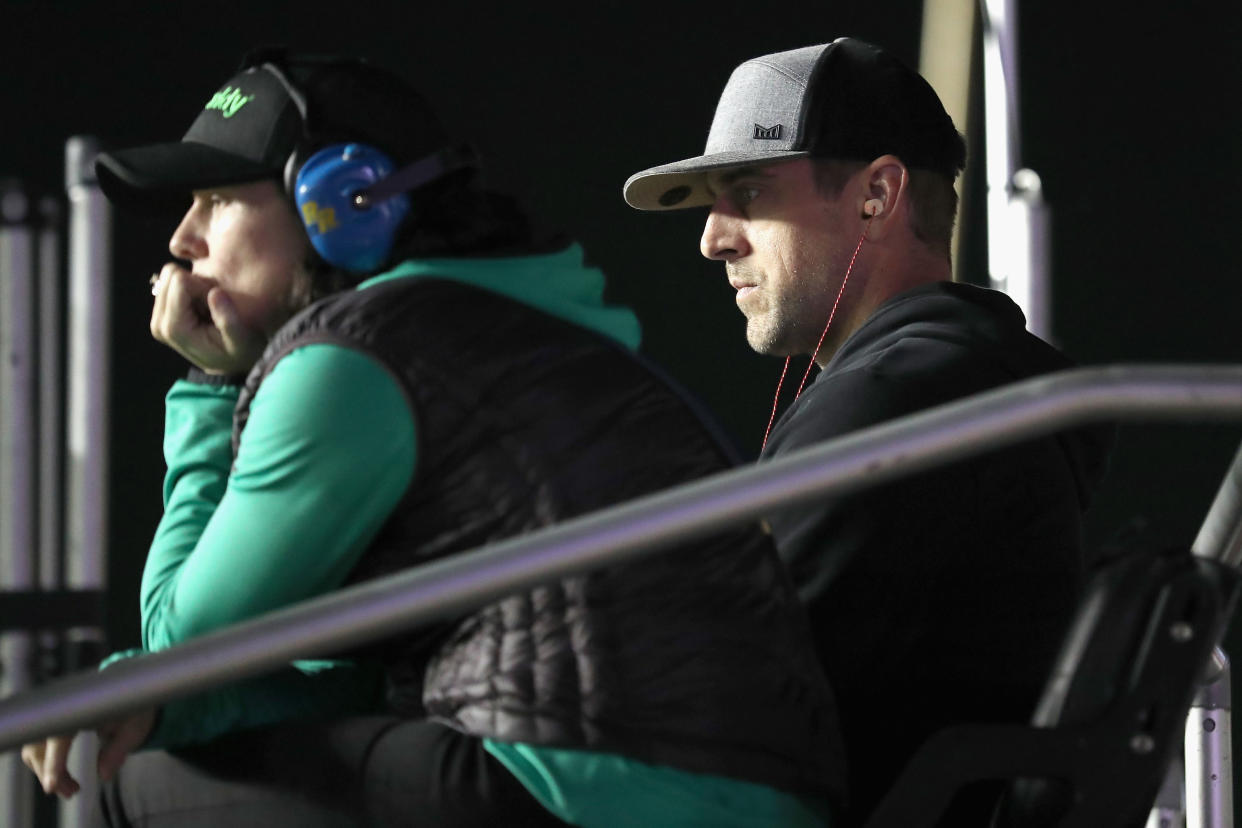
x,y
349,229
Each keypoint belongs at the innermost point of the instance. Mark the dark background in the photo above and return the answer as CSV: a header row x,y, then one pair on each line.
x,y
1131,119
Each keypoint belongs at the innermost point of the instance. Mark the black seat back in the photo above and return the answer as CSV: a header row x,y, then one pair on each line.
x,y
1111,715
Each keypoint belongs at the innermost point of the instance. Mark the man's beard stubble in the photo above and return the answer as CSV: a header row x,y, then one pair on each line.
x,y
772,329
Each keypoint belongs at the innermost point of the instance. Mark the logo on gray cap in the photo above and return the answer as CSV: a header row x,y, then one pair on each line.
x,y
772,133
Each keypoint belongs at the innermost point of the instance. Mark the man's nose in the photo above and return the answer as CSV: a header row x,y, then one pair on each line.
x,y
724,235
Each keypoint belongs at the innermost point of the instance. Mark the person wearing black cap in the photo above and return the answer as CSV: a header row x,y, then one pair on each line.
x,y
458,382
940,598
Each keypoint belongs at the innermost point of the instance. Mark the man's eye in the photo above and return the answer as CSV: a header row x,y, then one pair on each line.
x,y
745,195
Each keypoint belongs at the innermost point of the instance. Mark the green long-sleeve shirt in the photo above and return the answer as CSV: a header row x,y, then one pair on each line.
x,y
329,448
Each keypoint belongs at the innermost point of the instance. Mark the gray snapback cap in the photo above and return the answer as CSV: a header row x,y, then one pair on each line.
x,y
845,99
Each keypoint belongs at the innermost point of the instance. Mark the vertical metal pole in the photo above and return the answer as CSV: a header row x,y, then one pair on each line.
x,y
90,340
1170,810
1030,265
1017,217
50,642
18,483
1209,724
1000,83
51,398
1209,750
51,427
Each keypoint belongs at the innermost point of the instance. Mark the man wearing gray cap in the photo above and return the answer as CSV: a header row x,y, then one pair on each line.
x,y
939,598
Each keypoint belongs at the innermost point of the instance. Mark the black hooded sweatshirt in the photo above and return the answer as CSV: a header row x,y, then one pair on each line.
x,y
943,597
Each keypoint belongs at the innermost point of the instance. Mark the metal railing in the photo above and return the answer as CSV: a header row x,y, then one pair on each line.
x,y
364,613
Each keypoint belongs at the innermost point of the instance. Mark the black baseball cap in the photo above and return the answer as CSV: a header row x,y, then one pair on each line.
x,y
251,126
846,99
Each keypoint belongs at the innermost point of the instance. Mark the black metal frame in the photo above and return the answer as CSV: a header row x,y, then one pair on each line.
x,y
62,609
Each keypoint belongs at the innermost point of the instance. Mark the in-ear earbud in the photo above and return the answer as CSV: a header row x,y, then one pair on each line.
x,y
872,207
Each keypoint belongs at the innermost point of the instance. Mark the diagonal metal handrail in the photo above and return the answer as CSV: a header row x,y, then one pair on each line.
x,y
1220,536
363,613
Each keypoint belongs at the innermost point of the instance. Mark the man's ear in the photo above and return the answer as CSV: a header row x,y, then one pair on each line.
x,y
884,194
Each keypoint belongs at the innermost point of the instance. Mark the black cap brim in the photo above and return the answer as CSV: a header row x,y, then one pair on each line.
x,y
160,177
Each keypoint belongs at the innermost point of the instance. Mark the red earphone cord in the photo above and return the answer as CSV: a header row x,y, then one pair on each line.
x,y
777,398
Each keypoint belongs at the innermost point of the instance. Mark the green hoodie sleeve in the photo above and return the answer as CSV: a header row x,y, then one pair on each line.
x,y
328,450
304,689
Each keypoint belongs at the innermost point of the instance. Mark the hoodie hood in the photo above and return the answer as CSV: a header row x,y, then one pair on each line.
x,y
954,313
559,283
967,340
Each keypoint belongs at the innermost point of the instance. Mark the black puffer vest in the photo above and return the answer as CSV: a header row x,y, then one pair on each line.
x,y
696,658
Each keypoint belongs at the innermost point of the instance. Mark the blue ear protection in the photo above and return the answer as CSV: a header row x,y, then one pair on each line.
x,y
351,197
347,228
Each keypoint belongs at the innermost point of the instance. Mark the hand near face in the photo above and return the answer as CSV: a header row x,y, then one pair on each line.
x,y
195,317
49,759
247,254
